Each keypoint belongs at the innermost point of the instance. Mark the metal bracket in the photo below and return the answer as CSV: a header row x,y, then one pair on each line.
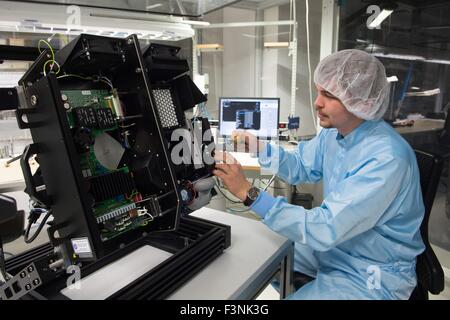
x,y
22,124
36,192
9,99
25,281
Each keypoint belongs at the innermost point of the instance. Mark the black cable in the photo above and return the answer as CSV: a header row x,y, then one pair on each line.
x,y
275,188
13,159
226,197
42,224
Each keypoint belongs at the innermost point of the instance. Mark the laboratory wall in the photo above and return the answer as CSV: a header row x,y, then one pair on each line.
x,y
244,68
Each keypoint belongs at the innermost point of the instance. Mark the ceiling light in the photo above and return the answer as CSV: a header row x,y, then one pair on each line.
x,y
398,56
380,18
153,6
196,23
209,47
438,61
276,44
51,19
392,79
426,93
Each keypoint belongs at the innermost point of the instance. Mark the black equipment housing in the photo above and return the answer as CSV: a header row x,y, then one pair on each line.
x,y
60,183
126,108
169,73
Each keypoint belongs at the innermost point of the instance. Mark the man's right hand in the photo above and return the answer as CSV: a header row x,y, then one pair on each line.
x,y
246,142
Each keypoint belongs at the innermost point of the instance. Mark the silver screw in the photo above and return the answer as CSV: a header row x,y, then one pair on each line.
x,y
66,106
130,41
138,70
34,100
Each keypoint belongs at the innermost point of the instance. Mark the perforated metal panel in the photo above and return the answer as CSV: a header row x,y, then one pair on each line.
x,y
166,108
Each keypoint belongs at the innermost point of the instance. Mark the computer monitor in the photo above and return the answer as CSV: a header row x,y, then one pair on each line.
x,y
259,116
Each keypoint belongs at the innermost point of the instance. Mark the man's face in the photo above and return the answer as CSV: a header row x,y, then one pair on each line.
x,y
331,111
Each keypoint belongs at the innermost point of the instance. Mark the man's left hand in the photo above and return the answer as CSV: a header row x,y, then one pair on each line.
x,y
232,175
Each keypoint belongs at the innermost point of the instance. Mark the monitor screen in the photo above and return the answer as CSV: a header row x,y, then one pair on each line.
x,y
257,115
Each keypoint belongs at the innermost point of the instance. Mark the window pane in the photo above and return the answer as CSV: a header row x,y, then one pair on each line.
x,y
413,42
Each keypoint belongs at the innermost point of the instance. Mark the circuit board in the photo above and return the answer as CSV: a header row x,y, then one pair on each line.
x,y
90,114
74,102
78,100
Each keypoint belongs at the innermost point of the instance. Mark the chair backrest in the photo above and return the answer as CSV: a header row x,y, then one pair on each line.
x,y
444,137
429,271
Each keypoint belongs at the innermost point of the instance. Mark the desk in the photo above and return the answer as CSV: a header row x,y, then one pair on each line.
x,y
422,126
11,176
255,256
423,131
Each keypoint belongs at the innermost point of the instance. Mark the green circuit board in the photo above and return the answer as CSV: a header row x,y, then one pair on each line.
x,y
90,109
86,99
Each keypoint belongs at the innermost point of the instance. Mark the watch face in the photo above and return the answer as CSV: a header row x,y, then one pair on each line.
x,y
253,193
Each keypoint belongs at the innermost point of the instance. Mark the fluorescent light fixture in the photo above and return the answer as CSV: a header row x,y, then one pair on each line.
x,y
380,18
415,88
426,93
276,44
438,61
409,57
196,23
209,47
392,79
151,18
50,19
153,6
399,56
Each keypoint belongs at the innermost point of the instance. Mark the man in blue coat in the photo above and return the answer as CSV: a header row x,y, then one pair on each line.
x,y
363,240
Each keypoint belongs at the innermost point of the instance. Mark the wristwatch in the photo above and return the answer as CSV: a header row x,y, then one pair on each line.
x,y
252,195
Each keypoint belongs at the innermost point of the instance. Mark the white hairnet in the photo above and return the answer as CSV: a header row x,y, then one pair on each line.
x,y
358,80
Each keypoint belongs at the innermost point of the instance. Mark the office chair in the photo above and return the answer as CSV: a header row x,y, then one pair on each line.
x,y
442,146
430,276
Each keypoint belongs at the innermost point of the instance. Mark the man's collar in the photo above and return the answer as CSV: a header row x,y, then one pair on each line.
x,y
354,136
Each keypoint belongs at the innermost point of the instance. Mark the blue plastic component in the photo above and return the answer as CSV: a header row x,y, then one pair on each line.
x,y
293,123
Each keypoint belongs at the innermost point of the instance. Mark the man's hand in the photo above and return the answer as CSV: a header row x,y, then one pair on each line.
x,y
246,142
232,175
